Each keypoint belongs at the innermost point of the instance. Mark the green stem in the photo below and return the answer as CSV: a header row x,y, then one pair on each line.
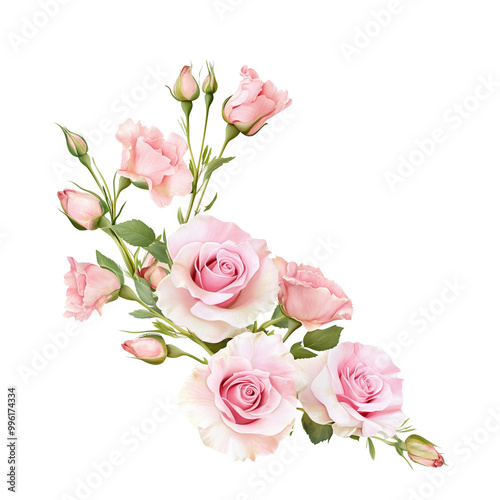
x,y
205,183
291,329
208,101
187,111
128,294
127,258
271,322
195,358
201,344
385,441
111,208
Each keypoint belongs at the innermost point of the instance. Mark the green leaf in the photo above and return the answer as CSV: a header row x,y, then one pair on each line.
x,y
317,433
135,233
371,448
165,329
218,346
321,340
215,164
180,217
144,291
158,250
110,265
211,204
276,314
142,314
300,352
356,438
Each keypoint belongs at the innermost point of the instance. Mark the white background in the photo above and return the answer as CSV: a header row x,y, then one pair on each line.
x,y
317,174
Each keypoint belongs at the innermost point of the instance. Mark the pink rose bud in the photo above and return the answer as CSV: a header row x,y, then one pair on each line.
x,y
83,209
210,85
309,297
254,103
77,145
89,288
423,452
153,271
186,87
151,349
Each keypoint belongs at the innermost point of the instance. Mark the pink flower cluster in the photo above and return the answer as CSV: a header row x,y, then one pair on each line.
x,y
214,284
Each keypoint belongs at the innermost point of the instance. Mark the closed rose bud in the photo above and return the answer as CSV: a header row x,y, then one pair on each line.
x,y
186,87
210,85
77,145
153,272
83,209
423,452
151,349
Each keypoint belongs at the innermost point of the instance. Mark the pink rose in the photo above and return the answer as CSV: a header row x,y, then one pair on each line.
x,y
89,288
221,279
254,103
84,208
186,87
309,297
147,349
152,161
355,386
244,402
153,271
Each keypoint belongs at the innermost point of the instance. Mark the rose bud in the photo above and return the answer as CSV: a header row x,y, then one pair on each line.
x,y
254,103
89,288
83,209
306,295
186,87
210,85
151,349
153,271
77,145
423,452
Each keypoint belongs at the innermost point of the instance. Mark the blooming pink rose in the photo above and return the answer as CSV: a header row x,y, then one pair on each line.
x,y
84,208
221,279
244,401
355,386
89,288
186,87
147,349
254,103
157,163
153,271
309,297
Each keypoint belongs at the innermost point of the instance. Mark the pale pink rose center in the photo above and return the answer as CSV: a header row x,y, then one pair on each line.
x,y
225,269
246,395
363,389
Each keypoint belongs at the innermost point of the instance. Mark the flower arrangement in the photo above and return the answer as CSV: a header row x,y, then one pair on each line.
x,y
214,284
